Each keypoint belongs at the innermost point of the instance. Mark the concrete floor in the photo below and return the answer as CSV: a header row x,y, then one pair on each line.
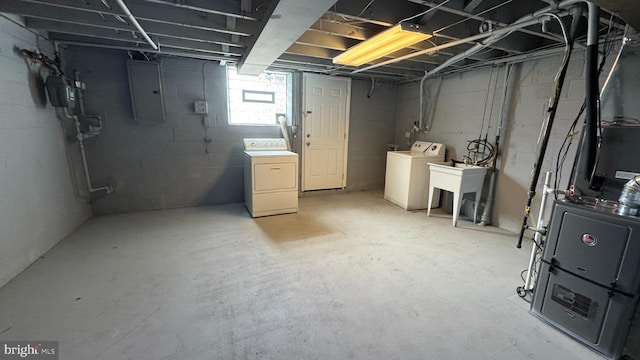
x,y
348,277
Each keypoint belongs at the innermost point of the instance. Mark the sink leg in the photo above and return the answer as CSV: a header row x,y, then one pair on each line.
x,y
475,207
430,200
456,207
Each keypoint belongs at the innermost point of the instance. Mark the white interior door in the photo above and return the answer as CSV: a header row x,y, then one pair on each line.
x,y
324,131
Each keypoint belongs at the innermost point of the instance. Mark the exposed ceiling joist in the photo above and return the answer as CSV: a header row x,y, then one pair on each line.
x,y
121,34
79,33
327,66
327,41
300,34
386,14
33,14
418,63
143,11
226,8
481,19
629,10
382,13
344,30
185,54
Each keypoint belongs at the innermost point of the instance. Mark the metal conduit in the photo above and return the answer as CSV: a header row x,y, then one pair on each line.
x,y
518,24
548,123
135,23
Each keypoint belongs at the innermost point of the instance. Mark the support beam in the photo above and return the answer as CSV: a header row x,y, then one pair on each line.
x,y
284,22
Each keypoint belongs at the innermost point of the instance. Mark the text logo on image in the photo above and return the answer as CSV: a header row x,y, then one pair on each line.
x,y
31,350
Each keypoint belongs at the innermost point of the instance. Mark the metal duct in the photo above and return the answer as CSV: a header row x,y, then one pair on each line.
x,y
630,197
592,93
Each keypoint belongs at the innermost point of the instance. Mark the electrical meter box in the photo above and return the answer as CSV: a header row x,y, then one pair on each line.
x,y
60,92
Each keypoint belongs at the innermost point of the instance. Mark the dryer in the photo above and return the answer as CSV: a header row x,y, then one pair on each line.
x,y
407,175
270,177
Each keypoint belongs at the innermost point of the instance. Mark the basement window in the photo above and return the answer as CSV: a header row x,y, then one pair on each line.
x,y
258,100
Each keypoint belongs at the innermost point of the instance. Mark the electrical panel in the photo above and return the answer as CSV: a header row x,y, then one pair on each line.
x,y
60,92
145,84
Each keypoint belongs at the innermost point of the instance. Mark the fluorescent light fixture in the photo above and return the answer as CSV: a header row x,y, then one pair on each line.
x,y
391,40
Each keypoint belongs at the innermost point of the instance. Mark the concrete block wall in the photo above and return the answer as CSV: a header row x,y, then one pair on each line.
x,y
167,164
371,128
457,103
41,195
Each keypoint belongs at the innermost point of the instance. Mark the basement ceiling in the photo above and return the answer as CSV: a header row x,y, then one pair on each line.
x,y
302,34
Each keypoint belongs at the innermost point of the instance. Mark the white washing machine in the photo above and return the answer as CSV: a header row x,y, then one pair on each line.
x,y
407,176
270,177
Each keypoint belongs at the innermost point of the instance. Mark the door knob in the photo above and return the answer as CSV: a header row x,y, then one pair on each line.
x,y
308,135
308,143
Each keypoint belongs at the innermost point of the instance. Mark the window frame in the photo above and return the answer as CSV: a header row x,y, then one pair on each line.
x,y
276,113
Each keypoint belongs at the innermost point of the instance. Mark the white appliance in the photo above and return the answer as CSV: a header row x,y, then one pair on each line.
x,y
407,176
270,177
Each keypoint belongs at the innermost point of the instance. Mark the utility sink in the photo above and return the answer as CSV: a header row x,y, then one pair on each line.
x,y
459,179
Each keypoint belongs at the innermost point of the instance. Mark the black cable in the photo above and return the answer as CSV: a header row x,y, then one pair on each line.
x,y
560,159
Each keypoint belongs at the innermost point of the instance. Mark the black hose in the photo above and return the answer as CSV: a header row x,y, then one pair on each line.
x,y
545,131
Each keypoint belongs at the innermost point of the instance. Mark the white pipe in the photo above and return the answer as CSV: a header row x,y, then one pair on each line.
x,y
486,214
537,238
492,37
80,138
135,23
282,120
625,41
421,115
518,24
132,48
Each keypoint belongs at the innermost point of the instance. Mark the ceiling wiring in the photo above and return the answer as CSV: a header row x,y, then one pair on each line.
x,y
607,47
471,16
424,12
365,8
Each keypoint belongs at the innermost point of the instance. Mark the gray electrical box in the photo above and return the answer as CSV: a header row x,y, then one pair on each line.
x,y
145,84
60,92
200,107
